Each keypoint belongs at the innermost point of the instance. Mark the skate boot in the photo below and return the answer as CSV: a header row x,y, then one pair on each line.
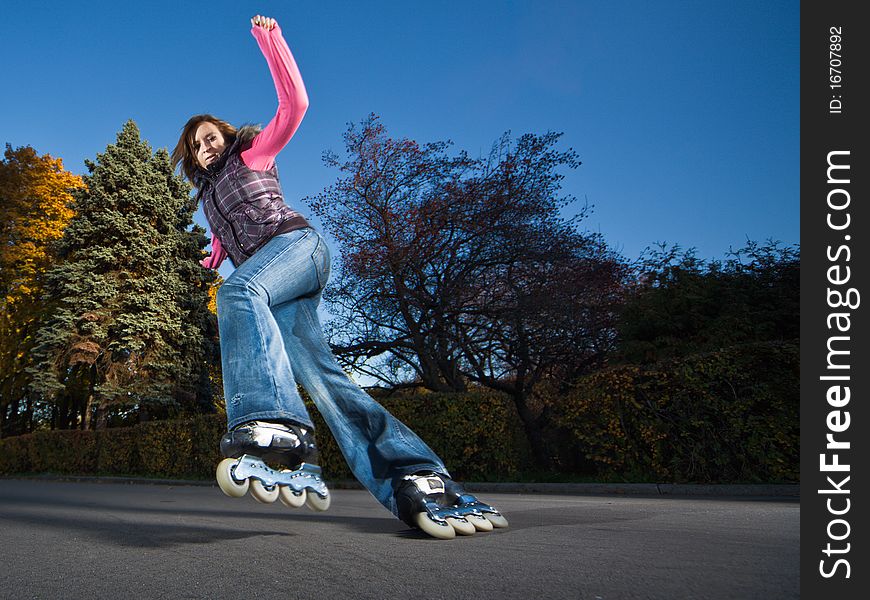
x,y
440,507
251,445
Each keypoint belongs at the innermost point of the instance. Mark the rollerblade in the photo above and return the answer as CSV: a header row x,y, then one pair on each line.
x,y
249,446
440,507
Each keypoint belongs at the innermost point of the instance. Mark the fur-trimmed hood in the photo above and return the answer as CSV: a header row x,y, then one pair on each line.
x,y
246,134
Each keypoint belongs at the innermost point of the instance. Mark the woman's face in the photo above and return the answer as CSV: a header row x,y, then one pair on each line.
x,y
208,142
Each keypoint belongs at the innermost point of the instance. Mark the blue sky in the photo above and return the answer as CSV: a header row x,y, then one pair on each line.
x,y
685,114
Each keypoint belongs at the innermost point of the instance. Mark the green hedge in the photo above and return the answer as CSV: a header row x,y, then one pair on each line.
x,y
719,417
476,434
185,448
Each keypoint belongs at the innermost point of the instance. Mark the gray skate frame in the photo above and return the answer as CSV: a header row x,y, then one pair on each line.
x,y
467,506
307,476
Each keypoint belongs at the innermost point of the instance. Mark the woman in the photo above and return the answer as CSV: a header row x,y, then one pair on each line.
x,y
271,337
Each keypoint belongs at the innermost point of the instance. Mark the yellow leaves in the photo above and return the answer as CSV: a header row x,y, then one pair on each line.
x,y
212,295
35,210
35,199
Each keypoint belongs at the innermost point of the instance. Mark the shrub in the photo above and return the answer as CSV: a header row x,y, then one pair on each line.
x,y
726,416
476,435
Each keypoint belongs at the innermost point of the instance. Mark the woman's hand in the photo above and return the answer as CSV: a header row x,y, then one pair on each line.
x,y
264,22
217,256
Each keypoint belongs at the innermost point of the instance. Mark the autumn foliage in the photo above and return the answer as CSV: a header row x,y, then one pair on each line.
x,y
34,212
35,207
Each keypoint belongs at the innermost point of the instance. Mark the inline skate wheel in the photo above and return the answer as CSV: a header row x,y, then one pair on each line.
x,y
437,530
316,503
228,484
263,494
291,499
461,527
480,522
496,520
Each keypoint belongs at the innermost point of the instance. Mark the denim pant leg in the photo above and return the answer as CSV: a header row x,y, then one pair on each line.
x,y
379,448
259,382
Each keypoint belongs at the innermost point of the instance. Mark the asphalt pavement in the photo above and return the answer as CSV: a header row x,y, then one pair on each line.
x,y
115,539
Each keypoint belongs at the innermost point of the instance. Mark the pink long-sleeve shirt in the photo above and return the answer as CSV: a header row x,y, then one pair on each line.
x,y
292,104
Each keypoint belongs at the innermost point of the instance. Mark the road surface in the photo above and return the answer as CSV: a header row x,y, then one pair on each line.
x,y
63,539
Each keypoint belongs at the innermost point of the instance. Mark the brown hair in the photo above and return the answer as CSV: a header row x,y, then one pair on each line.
x,y
185,153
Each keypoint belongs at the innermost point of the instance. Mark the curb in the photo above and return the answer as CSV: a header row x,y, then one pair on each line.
x,y
780,491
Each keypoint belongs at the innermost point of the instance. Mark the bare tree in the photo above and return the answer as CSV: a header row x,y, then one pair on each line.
x,y
458,271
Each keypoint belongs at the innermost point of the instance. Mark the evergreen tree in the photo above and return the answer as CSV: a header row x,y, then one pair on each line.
x,y
131,327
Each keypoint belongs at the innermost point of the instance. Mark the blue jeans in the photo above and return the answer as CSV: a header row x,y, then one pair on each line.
x,y
271,340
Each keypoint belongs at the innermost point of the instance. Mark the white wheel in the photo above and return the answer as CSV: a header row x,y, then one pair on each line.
x,y
436,530
262,494
289,498
480,523
228,485
496,520
315,502
461,527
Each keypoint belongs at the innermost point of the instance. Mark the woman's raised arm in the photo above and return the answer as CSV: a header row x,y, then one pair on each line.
x,y
292,97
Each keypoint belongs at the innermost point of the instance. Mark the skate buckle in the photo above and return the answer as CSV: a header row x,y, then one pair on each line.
x,y
427,484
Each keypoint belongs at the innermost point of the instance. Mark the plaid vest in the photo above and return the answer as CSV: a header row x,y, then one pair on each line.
x,y
243,207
